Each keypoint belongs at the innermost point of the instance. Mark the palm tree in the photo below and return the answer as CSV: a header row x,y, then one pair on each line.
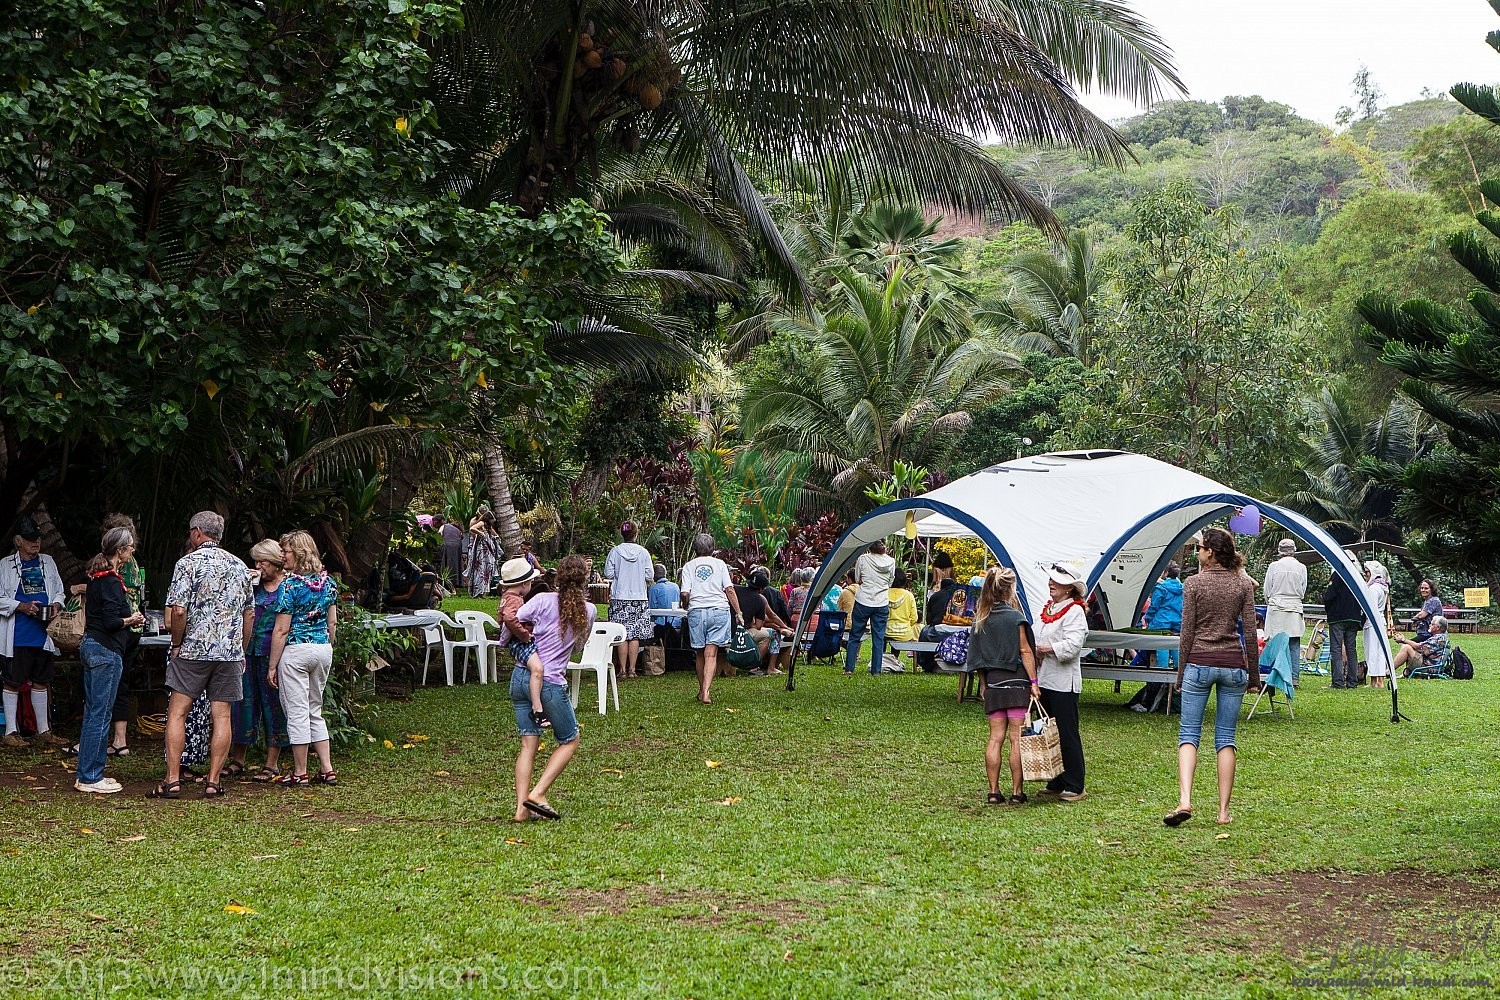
x,y
1051,305
1340,490
539,97
892,382
536,94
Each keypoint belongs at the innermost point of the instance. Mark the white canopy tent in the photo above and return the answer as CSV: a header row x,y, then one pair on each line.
x,y
1114,517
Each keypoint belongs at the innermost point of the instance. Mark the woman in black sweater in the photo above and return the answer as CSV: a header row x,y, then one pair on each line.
x,y
107,643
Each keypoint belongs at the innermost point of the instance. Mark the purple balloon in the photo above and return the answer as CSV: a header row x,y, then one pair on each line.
x,y
1247,521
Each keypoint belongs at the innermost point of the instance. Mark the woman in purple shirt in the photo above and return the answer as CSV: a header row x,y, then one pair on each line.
x,y
559,622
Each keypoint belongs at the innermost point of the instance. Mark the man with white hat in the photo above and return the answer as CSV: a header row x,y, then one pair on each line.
x,y
1285,588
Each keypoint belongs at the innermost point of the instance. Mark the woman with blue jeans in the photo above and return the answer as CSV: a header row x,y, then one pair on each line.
x,y
1218,652
559,622
107,643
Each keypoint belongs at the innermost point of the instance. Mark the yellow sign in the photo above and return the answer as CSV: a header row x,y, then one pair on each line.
x,y
1476,597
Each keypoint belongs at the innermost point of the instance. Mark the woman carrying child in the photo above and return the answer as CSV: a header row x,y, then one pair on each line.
x,y
558,622
1002,646
517,577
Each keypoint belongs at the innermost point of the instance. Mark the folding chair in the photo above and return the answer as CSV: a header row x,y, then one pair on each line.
x,y
1442,670
475,625
1278,657
598,656
1312,650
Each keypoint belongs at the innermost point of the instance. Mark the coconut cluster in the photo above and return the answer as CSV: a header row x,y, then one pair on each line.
x,y
647,77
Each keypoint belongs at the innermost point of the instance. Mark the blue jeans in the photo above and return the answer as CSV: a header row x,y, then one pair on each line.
x,y
102,667
1196,683
557,706
876,619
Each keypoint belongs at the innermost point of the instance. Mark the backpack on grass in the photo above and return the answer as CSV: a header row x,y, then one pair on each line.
x,y
1463,667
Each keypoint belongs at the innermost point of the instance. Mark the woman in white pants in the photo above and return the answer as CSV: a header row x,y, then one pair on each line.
x,y
302,654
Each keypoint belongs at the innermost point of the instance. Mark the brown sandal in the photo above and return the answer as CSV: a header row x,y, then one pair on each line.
x,y
213,789
166,790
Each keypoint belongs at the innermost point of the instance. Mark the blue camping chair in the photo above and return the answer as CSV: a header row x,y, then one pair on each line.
x,y
1276,671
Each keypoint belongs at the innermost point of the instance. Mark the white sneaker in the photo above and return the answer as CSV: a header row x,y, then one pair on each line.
x,y
104,786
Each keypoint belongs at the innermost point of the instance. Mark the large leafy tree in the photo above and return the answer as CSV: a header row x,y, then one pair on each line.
x,y
224,221
1200,364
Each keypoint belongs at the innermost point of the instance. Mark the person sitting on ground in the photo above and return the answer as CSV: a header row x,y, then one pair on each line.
x,y
1432,607
31,592
1003,647
937,606
902,625
754,611
107,642
516,578
1428,653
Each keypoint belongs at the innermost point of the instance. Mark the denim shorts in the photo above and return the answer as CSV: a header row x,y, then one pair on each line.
x,y
709,626
555,705
1196,683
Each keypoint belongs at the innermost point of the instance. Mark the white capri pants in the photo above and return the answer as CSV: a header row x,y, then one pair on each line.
x,y
302,676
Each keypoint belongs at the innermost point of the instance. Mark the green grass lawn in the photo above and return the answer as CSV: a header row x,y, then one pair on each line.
x,y
838,848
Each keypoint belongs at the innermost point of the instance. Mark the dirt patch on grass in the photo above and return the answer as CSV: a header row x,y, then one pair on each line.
x,y
693,906
1317,912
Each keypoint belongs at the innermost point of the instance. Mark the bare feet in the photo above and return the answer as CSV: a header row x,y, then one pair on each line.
x,y
1225,819
521,815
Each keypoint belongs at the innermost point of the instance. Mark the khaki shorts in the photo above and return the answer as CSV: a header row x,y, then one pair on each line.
x,y
222,679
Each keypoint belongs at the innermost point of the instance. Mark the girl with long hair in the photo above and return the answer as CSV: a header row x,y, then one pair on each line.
x,y
559,623
1002,646
1218,653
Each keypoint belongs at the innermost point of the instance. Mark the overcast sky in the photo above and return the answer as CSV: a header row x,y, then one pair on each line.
x,y
1306,52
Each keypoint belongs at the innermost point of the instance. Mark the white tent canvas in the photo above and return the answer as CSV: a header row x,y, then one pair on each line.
x,y
1114,517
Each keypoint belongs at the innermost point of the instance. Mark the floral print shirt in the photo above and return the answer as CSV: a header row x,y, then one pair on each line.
x,y
307,599
213,587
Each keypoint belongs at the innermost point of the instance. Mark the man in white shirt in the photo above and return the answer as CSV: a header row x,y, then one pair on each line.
x,y
31,594
708,594
874,572
1285,587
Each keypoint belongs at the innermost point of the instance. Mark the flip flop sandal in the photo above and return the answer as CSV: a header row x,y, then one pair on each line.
x,y
541,809
265,775
213,790
166,790
74,750
1177,817
114,751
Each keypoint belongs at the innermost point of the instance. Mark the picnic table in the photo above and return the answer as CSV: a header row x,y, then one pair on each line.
x,y
1116,672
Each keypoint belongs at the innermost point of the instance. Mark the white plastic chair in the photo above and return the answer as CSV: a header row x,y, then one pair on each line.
x,y
598,656
435,632
475,624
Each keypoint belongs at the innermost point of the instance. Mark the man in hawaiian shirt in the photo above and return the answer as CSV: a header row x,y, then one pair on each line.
x,y
210,609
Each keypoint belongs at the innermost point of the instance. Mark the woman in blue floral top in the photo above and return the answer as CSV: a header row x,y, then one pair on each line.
x,y
302,654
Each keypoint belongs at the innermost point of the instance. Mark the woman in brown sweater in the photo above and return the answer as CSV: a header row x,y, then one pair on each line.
x,y
1218,651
